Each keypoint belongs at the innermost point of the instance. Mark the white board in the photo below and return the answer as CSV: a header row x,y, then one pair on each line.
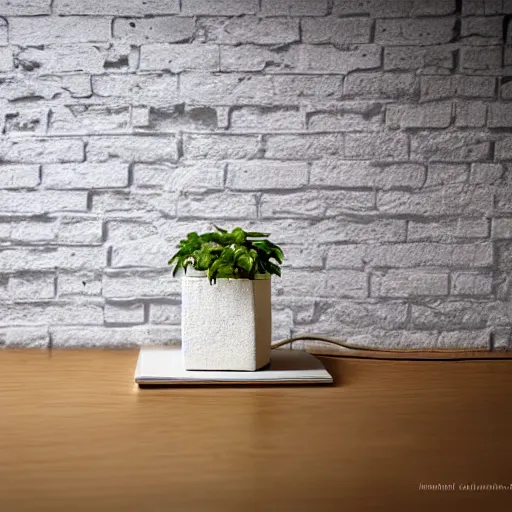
x,y
164,366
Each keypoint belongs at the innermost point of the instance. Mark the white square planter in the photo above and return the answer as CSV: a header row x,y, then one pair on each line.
x,y
226,325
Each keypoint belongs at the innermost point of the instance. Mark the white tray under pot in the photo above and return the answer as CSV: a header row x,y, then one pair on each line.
x,y
164,366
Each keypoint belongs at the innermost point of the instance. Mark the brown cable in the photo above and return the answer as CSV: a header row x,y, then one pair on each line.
x,y
388,353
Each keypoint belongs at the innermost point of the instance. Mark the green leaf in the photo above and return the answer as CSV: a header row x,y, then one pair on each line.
x,y
255,234
220,229
239,236
245,262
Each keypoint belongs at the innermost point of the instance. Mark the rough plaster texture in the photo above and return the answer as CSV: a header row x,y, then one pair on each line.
x,y
227,326
372,138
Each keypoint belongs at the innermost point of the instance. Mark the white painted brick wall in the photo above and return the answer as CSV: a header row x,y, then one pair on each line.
x,y
370,137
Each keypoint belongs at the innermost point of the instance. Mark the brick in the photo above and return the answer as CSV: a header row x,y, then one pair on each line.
x,y
26,337
282,324
247,30
136,204
41,150
502,228
447,87
414,31
166,313
95,7
218,206
4,29
85,175
181,117
315,203
304,256
456,199
124,230
348,116
39,202
179,57
356,174
220,7
411,255
79,283
434,115
120,313
140,116
191,176
482,30
440,175
424,59
336,31
470,283
80,230
471,340
6,59
382,85
487,174
357,314
259,58
5,230
293,8
451,315
145,89
139,148
23,120
24,7
50,258
261,175
95,336
220,147
86,119
409,284
398,8
470,7
34,231
50,313
383,146
266,119
332,230
62,58
47,87
51,30
140,284
462,146
500,115
31,287
150,251
19,176
235,88
121,230
303,147
484,59
329,59
503,200
502,340
334,283
503,150
470,114
163,29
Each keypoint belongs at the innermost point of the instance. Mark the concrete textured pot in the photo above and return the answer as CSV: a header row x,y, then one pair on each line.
x,y
227,325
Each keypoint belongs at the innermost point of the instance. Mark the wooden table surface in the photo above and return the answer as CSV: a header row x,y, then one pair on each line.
x,y
76,434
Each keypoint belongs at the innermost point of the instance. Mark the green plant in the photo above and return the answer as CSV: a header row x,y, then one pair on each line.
x,y
237,254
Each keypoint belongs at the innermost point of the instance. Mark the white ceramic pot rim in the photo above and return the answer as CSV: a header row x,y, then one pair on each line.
x,y
192,272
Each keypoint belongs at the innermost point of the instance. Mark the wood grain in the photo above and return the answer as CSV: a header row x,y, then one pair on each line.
x,y
76,434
